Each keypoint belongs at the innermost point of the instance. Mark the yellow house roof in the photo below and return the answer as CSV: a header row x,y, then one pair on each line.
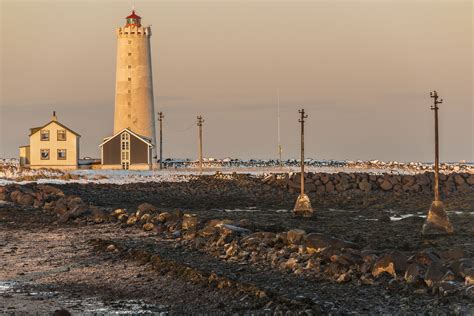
x,y
36,129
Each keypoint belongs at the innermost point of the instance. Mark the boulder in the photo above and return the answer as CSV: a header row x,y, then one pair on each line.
x,y
190,221
295,236
393,263
459,179
434,274
145,218
413,273
148,227
470,179
163,217
132,220
365,186
469,276
50,190
146,208
98,215
424,257
317,242
329,187
386,185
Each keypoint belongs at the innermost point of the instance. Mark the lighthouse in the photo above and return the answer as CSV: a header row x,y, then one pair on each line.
x,y
133,143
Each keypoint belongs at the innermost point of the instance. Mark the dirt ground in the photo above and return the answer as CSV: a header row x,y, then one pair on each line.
x,y
47,266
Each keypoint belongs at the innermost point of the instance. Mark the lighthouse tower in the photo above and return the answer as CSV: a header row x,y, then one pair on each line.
x,y
133,143
134,109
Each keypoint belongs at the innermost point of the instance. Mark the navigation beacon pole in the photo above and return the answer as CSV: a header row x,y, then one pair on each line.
x,y
160,119
303,203
437,220
199,123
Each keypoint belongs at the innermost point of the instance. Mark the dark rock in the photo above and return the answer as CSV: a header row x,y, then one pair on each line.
x,y
295,236
424,257
392,263
434,274
316,242
147,208
413,273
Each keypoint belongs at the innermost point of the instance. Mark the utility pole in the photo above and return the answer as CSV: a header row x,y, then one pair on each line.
x,y
199,124
279,138
160,119
303,203
437,220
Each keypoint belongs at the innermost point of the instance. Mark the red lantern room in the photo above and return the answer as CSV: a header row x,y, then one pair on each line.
x,y
133,20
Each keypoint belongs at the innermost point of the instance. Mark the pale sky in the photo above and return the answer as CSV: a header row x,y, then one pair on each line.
x,y
363,71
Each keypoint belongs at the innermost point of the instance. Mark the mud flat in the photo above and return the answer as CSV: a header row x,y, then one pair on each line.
x,y
229,245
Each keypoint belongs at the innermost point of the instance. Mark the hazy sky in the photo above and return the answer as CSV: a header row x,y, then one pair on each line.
x,y
363,70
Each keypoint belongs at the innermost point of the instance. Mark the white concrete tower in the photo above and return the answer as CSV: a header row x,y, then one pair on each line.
x,y
134,107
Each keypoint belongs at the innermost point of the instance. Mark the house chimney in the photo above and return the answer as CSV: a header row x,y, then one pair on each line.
x,y
54,116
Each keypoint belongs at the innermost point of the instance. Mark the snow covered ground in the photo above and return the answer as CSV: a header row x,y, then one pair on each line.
x,y
179,171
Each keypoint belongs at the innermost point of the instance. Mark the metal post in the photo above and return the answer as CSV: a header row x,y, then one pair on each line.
x,y
199,123
160,119
437,220
303,203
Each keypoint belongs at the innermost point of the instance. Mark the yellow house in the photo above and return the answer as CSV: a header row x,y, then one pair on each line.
x,y
52,145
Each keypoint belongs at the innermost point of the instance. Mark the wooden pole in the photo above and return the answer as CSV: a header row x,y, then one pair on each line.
x,y
437,220
435,108
199,123
301,120
160,118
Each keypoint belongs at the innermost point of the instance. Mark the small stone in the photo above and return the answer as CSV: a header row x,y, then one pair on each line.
x,y
343,278
290,263
148,227
111,248
132,220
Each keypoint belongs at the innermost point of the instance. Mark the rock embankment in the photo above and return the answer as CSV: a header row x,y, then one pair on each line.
x,y
315,255
322,183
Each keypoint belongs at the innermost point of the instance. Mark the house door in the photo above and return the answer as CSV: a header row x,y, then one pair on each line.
x,y
125,150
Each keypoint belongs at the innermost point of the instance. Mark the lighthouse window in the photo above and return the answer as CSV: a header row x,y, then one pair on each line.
x,y
44,154
44,135
129,91
61,154
129,66
129,79
130,42
129,103
129,54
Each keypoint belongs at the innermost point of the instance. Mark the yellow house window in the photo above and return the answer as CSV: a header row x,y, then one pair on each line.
x,y
61,154
44,135
44,154
62,134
